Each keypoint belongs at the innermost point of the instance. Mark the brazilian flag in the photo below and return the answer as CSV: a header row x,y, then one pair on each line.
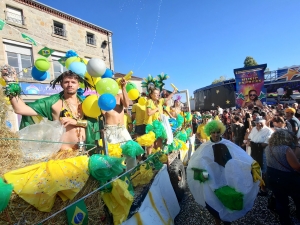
x,y
27,38
77,214
126,178
62,61
46,52
2,23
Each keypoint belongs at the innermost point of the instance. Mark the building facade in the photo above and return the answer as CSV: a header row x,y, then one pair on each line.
x,y
51,28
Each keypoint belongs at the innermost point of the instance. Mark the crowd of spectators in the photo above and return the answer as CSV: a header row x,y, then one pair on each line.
x,y
270,134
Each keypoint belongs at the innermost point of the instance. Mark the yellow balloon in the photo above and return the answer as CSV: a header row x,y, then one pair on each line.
x,y
133,94
92,80
2,82
90,106
142,100
72,59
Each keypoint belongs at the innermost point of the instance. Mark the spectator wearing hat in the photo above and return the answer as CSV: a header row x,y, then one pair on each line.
x,y
290,116
259,137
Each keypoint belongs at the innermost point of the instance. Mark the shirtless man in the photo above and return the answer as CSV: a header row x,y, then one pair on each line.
x,y
115,130
65,106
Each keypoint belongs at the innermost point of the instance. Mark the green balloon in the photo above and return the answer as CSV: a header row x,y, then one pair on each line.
x,y
70,60
107,86
42,64
130,86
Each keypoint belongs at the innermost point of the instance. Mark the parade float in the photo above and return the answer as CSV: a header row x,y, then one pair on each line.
x,y
39,186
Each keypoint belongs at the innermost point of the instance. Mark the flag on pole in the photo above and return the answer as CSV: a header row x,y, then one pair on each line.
x,y
2,23
62,61
77,214
46,52
27,38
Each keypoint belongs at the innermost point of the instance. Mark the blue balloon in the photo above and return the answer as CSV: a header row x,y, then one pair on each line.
x,y
78,68
108,73
39,75
107,102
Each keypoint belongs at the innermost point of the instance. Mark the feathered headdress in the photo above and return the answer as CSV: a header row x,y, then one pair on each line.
x,y
177,98
157,82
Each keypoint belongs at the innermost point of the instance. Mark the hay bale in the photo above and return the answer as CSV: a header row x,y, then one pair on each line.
x,y
10,152
20,211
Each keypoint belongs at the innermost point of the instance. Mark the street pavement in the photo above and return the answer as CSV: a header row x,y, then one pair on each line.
x,y
192,213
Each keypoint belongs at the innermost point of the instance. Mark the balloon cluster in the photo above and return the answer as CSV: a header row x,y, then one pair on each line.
x,y
133,92
96,73
100,77
131,88
39,71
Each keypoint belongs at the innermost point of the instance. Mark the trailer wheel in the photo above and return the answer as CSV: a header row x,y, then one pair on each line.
x,y
178,178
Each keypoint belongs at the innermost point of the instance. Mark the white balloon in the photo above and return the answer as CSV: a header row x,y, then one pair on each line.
x,y
96,67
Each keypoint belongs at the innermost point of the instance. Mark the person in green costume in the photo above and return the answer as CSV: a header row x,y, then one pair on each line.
x,y
65,106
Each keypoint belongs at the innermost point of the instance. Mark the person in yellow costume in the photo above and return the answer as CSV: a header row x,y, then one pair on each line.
x,y
154,107
138,114
200,134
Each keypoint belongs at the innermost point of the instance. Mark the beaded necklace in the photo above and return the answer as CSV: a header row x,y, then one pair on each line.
x,y
75,116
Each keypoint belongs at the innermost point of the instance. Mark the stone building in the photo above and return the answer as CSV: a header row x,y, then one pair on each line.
x,y
51,28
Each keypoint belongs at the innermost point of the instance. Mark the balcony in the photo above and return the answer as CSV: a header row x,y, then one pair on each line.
x,y
59,31
15,18
91,40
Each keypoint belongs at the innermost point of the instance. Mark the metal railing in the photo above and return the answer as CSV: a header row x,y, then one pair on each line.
x,y
59,31
91,40
15,18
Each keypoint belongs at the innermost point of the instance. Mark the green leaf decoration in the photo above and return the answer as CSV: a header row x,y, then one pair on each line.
x,y
261,95
241,96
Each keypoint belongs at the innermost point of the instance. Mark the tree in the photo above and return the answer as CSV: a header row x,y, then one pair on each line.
x,y
221,79
250,61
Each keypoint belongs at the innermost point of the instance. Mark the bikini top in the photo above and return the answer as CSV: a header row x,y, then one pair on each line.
x,y
65,112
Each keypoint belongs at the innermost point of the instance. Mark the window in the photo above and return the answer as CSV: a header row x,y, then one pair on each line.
x,y
90,39
14,15
59,29
19,57
58,69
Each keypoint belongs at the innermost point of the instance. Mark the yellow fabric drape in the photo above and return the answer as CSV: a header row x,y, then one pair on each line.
x,y
255,170
118,201
40,183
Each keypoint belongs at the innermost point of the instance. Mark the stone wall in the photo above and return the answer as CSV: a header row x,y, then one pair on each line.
x,y
39,26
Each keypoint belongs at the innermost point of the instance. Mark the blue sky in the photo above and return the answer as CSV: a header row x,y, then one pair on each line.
x,y
194,41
